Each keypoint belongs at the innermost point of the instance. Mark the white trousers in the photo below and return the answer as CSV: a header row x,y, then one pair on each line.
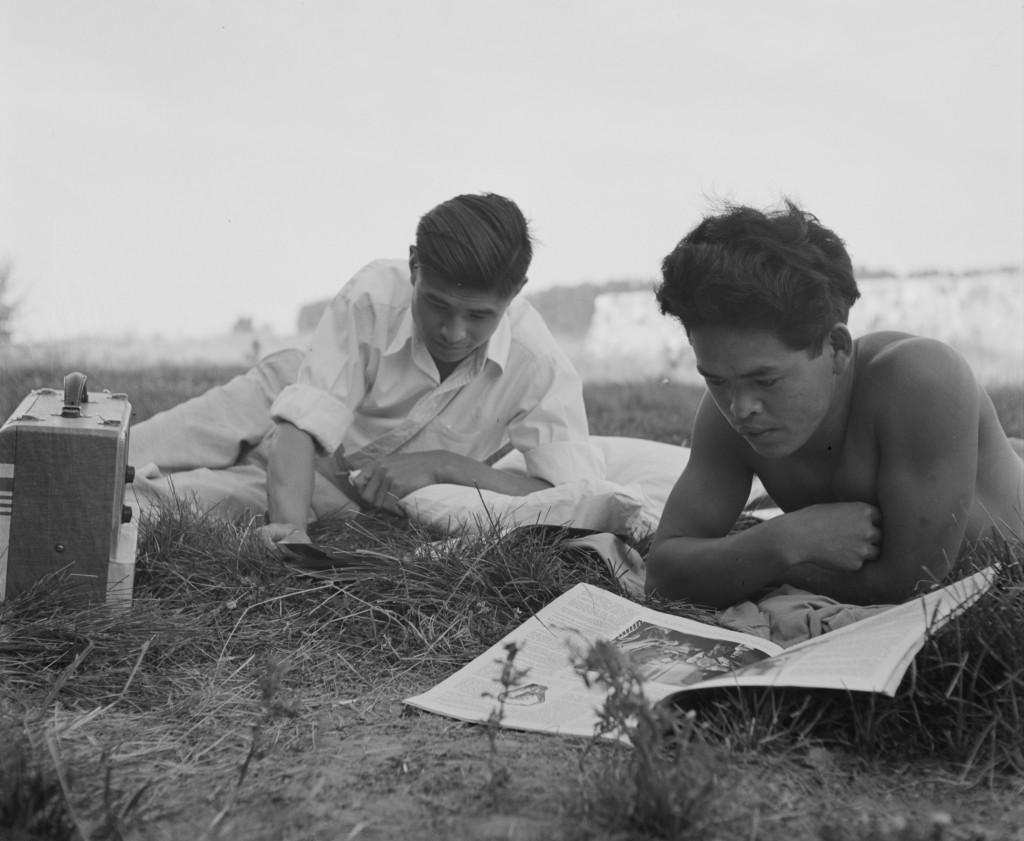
x,y
211,451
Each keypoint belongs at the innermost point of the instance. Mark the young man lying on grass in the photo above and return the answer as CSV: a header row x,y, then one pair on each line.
x,y
884,452
419,371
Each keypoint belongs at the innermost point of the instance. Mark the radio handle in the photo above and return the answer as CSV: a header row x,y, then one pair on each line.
x,y
75,395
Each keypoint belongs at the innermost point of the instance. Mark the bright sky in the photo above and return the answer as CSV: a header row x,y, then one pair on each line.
x,y
170,166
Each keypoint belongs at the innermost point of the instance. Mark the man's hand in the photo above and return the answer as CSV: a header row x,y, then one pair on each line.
x,y
839,536
385,482
273,534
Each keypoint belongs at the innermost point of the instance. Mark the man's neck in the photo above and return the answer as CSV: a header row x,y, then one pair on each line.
x,y
831,434
446,369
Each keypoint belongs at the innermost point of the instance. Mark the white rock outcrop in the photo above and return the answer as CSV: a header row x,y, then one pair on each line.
x,y
980,315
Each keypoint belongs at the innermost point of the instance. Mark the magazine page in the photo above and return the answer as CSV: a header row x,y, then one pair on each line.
x,y
551,697
871,655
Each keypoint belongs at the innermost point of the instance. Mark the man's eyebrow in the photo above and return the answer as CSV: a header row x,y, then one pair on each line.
x,y
484,310
764,370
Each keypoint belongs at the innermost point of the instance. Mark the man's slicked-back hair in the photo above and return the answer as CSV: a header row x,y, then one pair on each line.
x,y
781,271
481,242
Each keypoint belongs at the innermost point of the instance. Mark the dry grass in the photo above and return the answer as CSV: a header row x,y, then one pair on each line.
x,y
957,714
241,699
228,655
232,672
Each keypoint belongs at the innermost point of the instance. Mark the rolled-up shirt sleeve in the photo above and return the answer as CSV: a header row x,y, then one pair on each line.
x,y
331,380
553,433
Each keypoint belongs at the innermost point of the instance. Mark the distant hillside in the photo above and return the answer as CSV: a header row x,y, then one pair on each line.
x,y
978,313
568,310
614,331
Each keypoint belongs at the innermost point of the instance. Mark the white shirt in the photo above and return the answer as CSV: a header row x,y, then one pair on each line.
x,y
369,386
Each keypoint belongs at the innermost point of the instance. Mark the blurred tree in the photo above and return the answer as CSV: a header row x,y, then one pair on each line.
x,y
867,273
8,306
243,325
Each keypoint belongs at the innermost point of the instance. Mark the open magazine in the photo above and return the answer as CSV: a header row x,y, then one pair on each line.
x,y
676,655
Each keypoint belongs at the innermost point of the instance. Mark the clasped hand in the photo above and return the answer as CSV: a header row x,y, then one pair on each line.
x,y
383,483
841,535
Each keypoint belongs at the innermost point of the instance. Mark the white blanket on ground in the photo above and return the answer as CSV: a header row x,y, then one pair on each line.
x,y
639,475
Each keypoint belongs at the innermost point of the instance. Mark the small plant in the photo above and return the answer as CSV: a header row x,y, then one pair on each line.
x,y
274,702
510,678
658,781
116,813
32,803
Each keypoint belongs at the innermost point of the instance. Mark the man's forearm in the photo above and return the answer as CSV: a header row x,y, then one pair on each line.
x,y
828,549
715,572
872,584
290,475
723,571
719,572
461,470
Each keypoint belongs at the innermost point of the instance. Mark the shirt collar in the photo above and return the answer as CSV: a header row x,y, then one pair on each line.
x,y
403,333
500,343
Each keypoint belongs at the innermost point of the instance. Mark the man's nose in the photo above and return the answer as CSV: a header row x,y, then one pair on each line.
x,y
743,405
453,330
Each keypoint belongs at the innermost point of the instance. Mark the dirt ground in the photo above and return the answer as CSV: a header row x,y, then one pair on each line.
x,y
370,768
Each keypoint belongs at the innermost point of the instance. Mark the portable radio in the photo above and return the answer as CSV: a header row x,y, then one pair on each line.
x,y
63,471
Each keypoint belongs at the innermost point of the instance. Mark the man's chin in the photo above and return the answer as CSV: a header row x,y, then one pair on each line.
x,y
450,355
770,444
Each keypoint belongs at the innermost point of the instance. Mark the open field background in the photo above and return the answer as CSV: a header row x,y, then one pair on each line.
x,y
613,330
195,168
239,700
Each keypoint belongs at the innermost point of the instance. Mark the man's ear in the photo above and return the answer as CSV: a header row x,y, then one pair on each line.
x,y
519,287
412,264
840,341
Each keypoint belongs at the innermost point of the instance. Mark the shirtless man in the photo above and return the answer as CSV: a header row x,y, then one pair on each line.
x,y
884,452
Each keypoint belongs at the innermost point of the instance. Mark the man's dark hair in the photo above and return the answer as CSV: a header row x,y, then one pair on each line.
x,y
481,242
781,271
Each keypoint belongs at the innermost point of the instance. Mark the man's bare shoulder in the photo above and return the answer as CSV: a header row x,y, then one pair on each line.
x,y
912,395
900,368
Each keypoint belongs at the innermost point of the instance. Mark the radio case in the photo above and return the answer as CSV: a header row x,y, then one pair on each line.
x,y
63,470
